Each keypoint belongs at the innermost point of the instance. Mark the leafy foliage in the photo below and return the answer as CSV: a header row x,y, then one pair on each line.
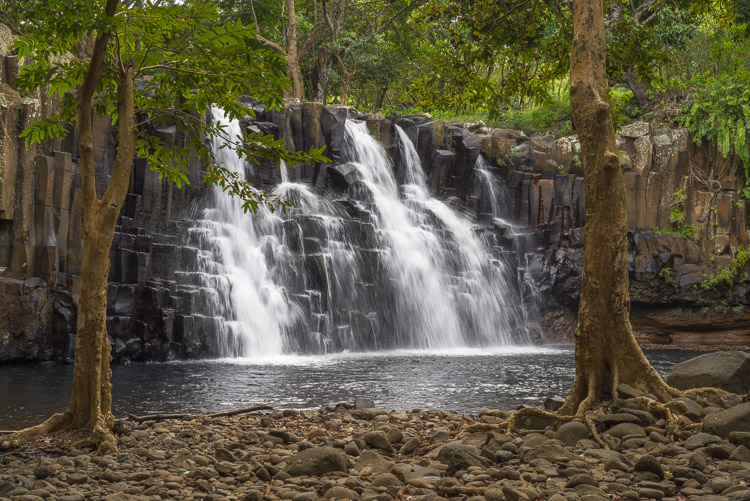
x,y
727,275
184,61
720,114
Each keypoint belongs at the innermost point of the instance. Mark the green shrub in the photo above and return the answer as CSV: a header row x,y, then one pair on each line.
x,y
684,230
545,118
726,275
720,114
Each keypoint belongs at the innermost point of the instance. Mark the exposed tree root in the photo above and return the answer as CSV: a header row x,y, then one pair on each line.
x,y
673,412
481,428
706,396
589,420
56,423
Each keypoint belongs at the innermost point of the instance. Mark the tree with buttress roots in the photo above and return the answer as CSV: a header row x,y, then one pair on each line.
x,y
145,64
607,353
606,350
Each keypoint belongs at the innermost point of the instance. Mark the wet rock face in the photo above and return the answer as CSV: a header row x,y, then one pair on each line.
x,y
538,227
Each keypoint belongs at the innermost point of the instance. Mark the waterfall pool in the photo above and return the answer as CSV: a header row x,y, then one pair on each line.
x,y
465,380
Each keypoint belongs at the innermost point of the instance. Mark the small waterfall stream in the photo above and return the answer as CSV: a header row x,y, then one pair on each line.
x,y
378,267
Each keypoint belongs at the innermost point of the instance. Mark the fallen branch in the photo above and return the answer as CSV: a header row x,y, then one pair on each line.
x,y
160,417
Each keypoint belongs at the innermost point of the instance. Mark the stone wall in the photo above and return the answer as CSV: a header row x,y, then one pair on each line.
x,y
150,314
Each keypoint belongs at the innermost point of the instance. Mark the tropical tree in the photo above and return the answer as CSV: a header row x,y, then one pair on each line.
x,y
144,64
606,350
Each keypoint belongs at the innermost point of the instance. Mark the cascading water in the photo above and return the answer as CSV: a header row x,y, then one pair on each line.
x,y
448,291
382,266
493,193
494,201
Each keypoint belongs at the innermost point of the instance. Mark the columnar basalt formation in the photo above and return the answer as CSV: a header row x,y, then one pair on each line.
x,y
536,221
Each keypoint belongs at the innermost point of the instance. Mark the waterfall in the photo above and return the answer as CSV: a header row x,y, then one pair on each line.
x,y
381,266
449,290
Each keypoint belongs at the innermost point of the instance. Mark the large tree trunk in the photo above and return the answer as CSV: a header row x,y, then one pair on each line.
x,y
606,351
91,401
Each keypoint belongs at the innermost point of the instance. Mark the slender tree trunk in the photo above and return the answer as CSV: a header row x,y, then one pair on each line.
x,y
91,400
320,76
294,72
347,84
292,58
606,351
379,98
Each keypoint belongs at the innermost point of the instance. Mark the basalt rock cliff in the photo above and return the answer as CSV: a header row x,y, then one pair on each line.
x,y
686,223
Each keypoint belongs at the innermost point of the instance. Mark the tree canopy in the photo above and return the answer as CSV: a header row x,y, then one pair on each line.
x,y
184,59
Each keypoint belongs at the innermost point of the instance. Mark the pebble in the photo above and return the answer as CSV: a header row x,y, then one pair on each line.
x,y
361,452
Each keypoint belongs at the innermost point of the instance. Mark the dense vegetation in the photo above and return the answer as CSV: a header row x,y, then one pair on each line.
x,y
681,62
676,62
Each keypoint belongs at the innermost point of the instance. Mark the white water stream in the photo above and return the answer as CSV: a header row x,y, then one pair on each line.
x,y
390,267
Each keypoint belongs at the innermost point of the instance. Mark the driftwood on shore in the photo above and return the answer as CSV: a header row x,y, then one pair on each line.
x,y
234,412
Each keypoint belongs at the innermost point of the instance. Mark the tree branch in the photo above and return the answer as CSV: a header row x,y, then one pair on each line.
x,y
114,197
278,48
244,410
394,17
85,96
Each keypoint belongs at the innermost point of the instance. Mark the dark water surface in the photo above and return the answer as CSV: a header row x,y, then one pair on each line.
x,y
467,380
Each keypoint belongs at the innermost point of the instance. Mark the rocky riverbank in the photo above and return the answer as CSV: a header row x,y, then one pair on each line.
x,y
361,452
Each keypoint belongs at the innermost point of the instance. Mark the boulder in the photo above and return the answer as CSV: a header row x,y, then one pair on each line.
x,y
625,429
458,456
378,440
570,433
343,176
635,130
694,411
368,414
361,402
377,463
728,370
651,464
730,420
409,473
316,461
340,492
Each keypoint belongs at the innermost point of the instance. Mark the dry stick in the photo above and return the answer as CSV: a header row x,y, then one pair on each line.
x,y
455,491
157,417
481,427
